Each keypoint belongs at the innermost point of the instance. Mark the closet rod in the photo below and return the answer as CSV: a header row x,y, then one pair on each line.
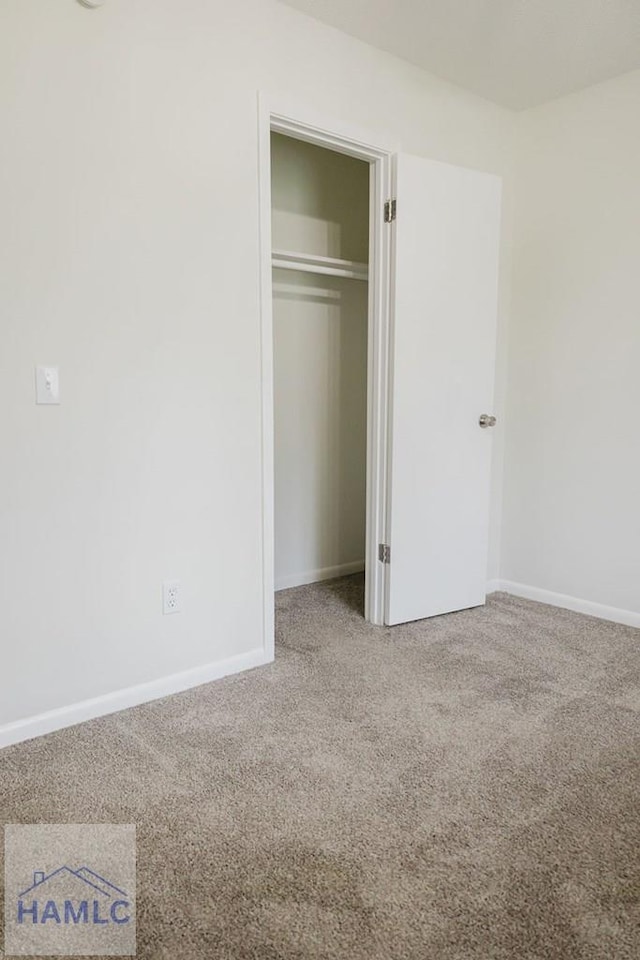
x,y
306,293
330,266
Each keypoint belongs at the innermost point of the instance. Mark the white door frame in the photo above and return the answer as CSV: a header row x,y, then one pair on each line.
x,y
296,122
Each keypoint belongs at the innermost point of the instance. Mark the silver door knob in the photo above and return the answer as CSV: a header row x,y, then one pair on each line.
x,y
486,420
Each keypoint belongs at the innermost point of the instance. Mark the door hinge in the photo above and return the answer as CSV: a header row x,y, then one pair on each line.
x,y
384,553
390,210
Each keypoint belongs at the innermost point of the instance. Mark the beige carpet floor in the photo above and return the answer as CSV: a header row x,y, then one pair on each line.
x,y
465,788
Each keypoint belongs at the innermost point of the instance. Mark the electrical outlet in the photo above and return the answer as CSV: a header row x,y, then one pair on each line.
x,y
47,385
171,597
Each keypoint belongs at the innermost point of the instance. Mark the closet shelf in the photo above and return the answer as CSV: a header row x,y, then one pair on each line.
x,y
331,266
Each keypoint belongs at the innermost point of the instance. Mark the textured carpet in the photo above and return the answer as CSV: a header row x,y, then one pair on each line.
x,y
464,788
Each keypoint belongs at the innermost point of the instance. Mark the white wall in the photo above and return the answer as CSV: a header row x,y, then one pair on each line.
x,y
129,244
320,205
320,414
319,201
571,515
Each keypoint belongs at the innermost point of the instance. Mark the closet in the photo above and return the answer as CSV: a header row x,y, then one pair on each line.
x,y
376,266
320,257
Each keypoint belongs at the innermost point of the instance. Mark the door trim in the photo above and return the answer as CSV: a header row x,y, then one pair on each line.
x,y
296,122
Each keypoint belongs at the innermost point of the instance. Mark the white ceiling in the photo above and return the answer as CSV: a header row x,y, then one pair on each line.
x,y
517,52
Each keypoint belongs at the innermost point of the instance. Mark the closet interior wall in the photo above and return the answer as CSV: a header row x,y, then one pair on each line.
x,y
320,219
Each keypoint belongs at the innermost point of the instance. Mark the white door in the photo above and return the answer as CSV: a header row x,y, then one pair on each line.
x,y
443,341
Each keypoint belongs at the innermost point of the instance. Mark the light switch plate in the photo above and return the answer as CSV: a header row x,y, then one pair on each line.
x,y
47,385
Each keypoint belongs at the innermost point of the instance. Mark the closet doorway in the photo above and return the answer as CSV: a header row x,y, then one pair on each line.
x,y
320,258
325,259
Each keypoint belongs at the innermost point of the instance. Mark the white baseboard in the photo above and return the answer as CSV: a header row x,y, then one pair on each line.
x,y
75,713
314,576
627,617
